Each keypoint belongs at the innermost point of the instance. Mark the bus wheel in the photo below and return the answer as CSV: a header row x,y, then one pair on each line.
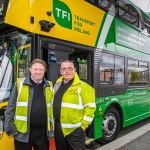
x,y
110,125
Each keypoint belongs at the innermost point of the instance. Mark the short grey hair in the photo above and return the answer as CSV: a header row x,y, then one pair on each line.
x,y
40,61
67,61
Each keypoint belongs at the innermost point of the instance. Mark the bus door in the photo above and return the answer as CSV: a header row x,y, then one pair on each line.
x,y
54,54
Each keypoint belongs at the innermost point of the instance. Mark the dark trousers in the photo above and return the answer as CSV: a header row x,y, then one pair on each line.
x,y
73,141
38,140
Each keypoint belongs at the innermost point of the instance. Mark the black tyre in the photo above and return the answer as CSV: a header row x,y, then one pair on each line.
x,y
110,125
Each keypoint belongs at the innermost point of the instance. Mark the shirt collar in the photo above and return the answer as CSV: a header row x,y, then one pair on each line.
x,y
36,81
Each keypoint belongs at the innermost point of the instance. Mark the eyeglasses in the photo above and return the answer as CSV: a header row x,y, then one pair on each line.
x,y
67,69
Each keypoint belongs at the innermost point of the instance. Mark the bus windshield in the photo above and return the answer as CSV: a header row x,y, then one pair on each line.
x,y
10,48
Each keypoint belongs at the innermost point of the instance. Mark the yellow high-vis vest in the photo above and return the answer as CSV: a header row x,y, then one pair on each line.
x,y
78,105
21,113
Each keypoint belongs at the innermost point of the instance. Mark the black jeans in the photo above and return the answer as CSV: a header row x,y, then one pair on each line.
x,y
73,141
38,140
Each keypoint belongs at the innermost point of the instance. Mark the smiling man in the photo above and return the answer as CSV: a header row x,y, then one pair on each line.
x,y
73,109
28,113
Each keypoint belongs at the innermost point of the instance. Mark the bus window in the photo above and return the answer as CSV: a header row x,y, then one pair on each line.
x,y
83,71
111,69
9,47
119,70
3,8
145,26
128,14
106,5
7,59
107,69
24,60
137,73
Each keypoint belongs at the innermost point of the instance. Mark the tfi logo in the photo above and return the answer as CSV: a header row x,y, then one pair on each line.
x,y
62,14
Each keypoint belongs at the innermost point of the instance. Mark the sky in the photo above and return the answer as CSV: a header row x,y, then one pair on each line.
x,y
143,4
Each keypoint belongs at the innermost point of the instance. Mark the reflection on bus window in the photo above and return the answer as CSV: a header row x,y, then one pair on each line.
x,y
83,69
137,73
8,61
111,69
23,60
145,26
129,14
106,5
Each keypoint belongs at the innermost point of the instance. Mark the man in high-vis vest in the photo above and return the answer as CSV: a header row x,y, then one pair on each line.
x,y
73,109
29,112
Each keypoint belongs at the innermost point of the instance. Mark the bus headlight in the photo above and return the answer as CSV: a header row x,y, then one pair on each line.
x,y
1,129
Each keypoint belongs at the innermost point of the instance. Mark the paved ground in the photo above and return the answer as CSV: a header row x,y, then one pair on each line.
x,y
138,139
140,143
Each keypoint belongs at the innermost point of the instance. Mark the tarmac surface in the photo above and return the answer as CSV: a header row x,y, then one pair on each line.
x,y
138,139
140,143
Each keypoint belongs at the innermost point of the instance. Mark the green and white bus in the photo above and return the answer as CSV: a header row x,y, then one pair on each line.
x,y
108,40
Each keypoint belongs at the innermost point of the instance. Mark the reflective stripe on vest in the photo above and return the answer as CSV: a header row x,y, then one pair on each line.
x,y
23,118
66,125
86,118
75,106
22,103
